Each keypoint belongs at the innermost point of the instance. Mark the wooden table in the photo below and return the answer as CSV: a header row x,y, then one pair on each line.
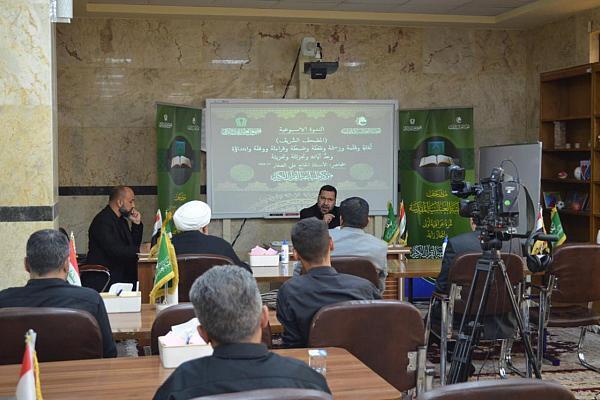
x,y
138,378
397,271
138,325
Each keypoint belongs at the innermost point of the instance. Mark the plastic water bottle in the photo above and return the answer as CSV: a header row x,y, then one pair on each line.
x,y
444,244
285,252
598,237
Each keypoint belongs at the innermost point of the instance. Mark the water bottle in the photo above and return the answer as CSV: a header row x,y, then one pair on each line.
x,y
598,237
444,244
285,252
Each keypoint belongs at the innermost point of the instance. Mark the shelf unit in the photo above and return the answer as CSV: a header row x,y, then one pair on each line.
x,y
570,96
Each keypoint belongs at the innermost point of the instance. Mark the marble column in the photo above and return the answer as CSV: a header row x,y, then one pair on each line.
x,y
28,141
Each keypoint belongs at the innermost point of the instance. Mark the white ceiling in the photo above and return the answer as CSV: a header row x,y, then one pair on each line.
x,y
447,7
519,14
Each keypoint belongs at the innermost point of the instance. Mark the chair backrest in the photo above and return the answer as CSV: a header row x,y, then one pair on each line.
x,y
380,333
94,276
62,334
191,266
461,273
271,394
514,389
179,314
357,266
577,269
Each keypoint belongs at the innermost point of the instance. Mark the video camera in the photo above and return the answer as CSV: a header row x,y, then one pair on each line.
x,y
495,209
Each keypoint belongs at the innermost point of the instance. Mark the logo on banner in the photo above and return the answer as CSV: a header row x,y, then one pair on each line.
x,y
165,122
411,127
361,121
459,125
193,126
241,129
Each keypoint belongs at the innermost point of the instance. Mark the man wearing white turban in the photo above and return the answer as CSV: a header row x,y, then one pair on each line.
x,y
191,220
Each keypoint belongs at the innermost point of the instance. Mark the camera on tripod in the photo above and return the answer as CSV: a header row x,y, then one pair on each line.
x,y
495,209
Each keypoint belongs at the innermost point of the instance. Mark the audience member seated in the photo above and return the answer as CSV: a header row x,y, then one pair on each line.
x,y
325,208
227,303
302,296
112,242
191,220
494,326
47,263
352,240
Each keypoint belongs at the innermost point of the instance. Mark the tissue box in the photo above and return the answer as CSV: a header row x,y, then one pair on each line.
x,y
265,271
264,261
173,356
126,302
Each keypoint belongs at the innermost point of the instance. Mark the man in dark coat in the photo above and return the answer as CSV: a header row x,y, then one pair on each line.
x,y
324,208
112,242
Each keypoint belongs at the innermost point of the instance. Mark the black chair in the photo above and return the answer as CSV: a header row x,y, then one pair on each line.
x,y
514,389
94,276
191,266
62,334
357,266
271,394
386,335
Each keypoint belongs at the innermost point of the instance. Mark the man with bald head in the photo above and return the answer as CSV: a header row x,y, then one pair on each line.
x,y
115,236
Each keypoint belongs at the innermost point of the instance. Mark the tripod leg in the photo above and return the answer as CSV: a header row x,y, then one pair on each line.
x,y
515,309
463,351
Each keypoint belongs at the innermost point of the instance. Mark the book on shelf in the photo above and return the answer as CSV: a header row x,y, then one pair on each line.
x,y
586,171
551,198
576,201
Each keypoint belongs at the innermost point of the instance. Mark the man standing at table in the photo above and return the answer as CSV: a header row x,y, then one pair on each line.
x,y
299,299
191,220
228,305
324,208
47,263
112,242
352,240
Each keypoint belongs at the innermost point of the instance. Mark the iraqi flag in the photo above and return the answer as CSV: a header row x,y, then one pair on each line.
x,y
73,275
28,387
156,229
402,218
540,246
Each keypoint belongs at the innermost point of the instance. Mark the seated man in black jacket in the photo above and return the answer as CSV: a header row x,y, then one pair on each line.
x,y
191,220
299,299
47,262
228,305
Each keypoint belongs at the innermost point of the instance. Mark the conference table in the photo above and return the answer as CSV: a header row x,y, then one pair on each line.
x,y
139,377
394,285
137,325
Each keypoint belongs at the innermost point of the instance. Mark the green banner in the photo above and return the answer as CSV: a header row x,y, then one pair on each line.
x,y
178,155
430,141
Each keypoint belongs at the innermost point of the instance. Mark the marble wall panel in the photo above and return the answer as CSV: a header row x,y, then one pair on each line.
x,y
107,156
14,239
25,65
26,159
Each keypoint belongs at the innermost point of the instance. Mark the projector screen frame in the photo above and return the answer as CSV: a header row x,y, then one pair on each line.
x,y
210,158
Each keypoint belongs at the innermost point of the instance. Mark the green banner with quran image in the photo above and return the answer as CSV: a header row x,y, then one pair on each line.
x,y
430,141
178,155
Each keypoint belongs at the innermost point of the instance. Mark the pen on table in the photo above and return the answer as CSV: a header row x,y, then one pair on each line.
x,y
119,292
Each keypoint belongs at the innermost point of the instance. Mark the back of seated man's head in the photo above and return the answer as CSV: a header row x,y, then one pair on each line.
x,y
311,240
354,212
228,305
47,252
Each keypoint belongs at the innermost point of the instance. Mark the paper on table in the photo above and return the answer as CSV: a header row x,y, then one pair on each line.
x,y
116,287
186,333
259,251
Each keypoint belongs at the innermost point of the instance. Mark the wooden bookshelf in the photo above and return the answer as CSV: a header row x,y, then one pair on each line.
x,y
570,97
